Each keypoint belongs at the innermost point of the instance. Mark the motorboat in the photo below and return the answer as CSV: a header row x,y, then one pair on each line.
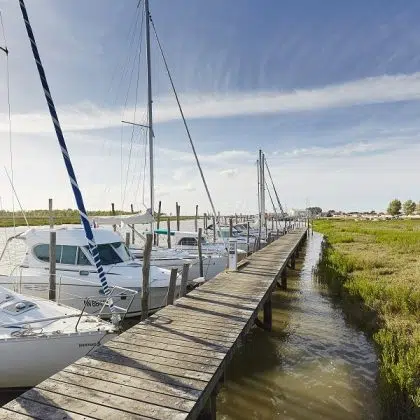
x,y
39,338
76,275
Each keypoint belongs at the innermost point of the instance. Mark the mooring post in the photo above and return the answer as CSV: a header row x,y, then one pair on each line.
x,y
53,256
236,219
168,231
230,228
127,239
146,274
113,213
172,286
200,252
178,221
214,230
209,410
50,213
156,236
284,279
247,238
196,219
293,261
268,314
132,229
184,280
205,221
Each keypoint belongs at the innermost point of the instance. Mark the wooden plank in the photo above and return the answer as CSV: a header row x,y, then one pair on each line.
x,y
134,381
123,390
130,358
37,410
131,369
74,404
108,400
12,415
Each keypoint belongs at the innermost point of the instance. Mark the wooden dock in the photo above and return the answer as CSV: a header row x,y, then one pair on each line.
x,y
169,366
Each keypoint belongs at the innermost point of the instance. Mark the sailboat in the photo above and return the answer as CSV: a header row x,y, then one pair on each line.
x,y
40,337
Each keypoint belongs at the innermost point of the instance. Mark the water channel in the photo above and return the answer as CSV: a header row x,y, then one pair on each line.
x,y
313,365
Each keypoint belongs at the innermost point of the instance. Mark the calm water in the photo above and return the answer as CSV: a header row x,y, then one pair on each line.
x,y
313,365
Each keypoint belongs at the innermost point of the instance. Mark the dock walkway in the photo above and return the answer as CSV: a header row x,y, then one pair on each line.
x,y
169,366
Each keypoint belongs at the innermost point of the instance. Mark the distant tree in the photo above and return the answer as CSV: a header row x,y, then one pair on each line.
x,y
409,207
418,208
394,207
314,211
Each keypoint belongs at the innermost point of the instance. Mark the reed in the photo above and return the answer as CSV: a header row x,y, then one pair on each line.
x,y
376,264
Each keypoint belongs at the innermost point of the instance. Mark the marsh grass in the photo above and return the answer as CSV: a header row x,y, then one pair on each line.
x,y
376,266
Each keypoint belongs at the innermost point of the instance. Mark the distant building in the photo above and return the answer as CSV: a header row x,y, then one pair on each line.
x,y
297,213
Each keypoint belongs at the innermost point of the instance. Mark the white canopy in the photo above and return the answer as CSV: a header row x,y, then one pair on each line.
x,y
127,219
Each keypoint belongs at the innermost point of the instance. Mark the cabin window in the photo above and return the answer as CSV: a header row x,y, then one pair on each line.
x,y
68,254
82,259
188,241
108,254
42,252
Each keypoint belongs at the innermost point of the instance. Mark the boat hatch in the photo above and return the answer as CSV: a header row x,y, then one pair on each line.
x,y
5,297
19,307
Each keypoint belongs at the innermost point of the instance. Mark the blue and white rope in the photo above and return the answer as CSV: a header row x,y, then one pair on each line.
x,y
76,190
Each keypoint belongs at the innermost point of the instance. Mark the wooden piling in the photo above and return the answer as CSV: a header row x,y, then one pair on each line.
x,y
184,280
127,239
146,274
200,252
113,213
205,221
230,228
53,257
283,277
158,222
178,214
214,229
168,229
268,320
132,229
293,261
196,219
247,238
172,286
50,213
236,219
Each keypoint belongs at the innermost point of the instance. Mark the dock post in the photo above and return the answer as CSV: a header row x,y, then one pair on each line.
x,y
146,274
268,315
236,219
230,228
184,280
200,252
113,213
52,284
168,231
205,221
284,279
50,212
132,229
196,219
172,286
214,229
127,239
247,239
178,214
209,410
293,261
156,237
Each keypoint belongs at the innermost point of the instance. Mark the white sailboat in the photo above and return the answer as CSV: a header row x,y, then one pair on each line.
x,y
77,280
39,337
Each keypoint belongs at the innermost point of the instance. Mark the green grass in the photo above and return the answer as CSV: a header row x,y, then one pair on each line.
x,y
61,217
377,265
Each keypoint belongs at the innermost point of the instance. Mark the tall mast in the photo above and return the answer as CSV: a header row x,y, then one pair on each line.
x,y
150,108
259,195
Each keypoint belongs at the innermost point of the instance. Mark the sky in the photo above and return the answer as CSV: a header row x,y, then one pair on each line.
x,y
329,90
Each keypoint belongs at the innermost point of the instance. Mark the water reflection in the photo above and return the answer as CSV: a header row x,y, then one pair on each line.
x,y
313,365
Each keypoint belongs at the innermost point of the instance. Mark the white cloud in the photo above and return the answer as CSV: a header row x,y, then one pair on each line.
x,y
230,173
87,116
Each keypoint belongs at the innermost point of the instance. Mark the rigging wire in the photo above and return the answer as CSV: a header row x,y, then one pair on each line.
x,y
124,191
186,127
275,190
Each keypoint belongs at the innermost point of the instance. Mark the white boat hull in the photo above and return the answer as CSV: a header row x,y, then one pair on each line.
x,y
28,361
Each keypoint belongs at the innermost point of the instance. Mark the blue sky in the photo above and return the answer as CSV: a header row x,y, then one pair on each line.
x,y
330,90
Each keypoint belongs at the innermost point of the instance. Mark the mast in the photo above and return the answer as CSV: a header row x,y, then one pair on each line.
x,y
150,110
275,190
69,166
259,196
264,222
